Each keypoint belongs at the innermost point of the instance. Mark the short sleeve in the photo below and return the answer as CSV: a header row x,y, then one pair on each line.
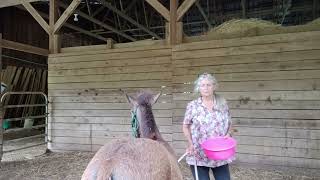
x,y
188,116
227,114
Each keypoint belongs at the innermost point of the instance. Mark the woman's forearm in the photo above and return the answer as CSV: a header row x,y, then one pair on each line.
x,y
187,133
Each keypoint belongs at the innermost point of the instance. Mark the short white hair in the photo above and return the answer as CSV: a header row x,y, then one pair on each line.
x,y
201,77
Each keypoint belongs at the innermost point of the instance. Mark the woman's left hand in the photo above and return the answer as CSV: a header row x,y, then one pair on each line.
x,y
228,135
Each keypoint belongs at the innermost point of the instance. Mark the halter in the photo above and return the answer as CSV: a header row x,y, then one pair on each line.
x,y
135,124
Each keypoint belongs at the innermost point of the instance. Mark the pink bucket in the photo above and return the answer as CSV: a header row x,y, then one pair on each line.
x,y
219,148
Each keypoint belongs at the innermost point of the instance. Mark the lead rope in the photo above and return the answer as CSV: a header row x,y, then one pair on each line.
x,y
134,124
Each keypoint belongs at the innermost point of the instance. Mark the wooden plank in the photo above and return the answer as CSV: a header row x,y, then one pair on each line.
x,y
120,71
24,48
105,55
34,13
287,114
65,15
70,133
254,76
160,8
279,161
122,84
249,58
274,132
90,140
254,49
103,120
104,112
106,106
107,99
115,63
103,127
29,96
264,132
107,92
260,95
183,8
26,74
109,64
277,123
273,85
112,77
103,135
245,41
269,123
279,142
56,147
262,113
86,50
98,136
256,67
7,3
251,104
264,142
120,46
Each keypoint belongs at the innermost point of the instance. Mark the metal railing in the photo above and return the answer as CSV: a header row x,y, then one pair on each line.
x,y
45,115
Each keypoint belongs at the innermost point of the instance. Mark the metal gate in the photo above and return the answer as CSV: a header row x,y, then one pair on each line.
x,y
45,115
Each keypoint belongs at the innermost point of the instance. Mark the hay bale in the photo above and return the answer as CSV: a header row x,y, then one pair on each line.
x,y
238,28
315,22
242,25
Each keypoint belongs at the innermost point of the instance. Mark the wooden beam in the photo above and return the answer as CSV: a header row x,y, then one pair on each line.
x,y
179,32
100,23
173,21
243,7
133,2
73,27
160,8
120,13
54,44
66,14
36,15
85,32
101,8
24,47
184,7
7,3
203,14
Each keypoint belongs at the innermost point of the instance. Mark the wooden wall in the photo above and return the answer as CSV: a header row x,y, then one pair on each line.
x,y
87,107
272,84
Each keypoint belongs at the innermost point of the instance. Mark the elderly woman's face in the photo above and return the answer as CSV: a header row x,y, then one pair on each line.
x,y
206,88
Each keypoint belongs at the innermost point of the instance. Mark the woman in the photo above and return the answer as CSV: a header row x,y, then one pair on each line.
x,y
205,117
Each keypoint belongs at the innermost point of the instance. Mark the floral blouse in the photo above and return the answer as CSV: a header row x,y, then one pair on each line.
x,y
206,124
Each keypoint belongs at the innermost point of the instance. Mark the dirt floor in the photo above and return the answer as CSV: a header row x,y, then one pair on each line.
x,y
34,163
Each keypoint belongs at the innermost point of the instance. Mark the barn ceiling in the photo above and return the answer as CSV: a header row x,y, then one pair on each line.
x,y
128,20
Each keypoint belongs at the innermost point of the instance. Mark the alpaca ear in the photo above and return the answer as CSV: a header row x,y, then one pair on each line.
x,y
131,100
155,98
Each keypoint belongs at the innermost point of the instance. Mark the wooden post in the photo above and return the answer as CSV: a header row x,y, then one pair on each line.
x,y
54,39
1,109
173,21
243,5
110,43
179,32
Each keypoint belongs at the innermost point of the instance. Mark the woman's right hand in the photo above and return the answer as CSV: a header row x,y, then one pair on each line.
x,y
190,150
